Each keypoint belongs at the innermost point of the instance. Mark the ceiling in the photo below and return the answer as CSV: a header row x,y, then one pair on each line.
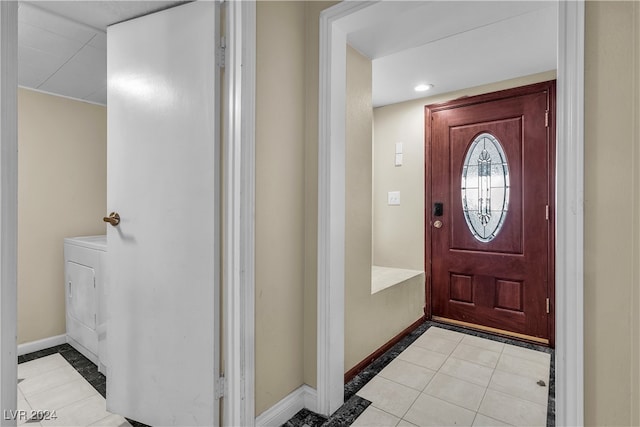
x,y
454,44
62,45
449,44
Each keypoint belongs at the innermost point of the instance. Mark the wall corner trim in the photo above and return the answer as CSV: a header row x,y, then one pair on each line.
x,y
302,397
30,347
570,215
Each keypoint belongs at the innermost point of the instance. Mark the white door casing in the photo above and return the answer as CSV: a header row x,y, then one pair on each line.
x,y
163,179
335,24
8,207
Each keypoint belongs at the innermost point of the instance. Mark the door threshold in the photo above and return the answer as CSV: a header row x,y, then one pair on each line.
x,y
491,330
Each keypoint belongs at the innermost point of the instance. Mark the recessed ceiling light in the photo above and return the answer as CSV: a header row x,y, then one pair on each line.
x,y
422,87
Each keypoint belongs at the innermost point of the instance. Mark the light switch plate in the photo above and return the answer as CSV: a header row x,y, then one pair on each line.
x,y
393,198
399,159
398,147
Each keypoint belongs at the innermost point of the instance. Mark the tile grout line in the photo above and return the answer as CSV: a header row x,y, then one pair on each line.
x,y
493,371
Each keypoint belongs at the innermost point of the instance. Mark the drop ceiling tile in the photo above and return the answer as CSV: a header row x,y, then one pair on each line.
x,y
54,24
92,56
35,67
39,59
99,96
45,41
29,76
80,76
99,41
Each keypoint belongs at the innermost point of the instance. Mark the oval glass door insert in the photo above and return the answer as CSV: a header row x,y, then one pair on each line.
x,y
485,187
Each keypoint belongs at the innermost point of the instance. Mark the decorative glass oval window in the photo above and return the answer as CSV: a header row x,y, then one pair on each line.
x,y
485,187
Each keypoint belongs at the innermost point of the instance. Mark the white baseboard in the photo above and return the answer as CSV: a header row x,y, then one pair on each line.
x,y
281,412
30,347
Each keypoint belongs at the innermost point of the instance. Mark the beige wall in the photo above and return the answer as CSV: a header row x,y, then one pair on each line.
x,y
62,183
398,230
370,320
280,132
612,294
612,217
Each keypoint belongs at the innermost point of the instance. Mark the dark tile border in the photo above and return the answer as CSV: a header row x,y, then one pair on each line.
x,y
355,405
80,363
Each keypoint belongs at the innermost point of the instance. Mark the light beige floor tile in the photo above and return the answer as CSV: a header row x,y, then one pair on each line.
x,y
389,396
41,365
477,355
484,421
405,423
436,343
444,333
456,391
48,380
112,420
523,367
61,396
408,374
82,413
425,358
525,353
513,410
523,387
483,343
467,371
430,411
373,416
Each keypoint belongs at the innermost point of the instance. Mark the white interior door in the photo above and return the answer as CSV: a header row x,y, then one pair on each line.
x,y
163,180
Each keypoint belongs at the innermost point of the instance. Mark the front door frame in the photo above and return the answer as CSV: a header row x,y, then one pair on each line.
x,y
238,228
335,24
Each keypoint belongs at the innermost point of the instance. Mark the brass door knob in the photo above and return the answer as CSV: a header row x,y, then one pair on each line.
x,y
113,218
437,224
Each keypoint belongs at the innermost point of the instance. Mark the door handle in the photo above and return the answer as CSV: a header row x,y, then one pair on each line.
x,y
437,224
113,219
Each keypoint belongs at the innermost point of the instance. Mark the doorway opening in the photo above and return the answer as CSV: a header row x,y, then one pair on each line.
x,y
337,24
237,256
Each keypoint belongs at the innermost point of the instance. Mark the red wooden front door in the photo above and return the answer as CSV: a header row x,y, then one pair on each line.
x,y
490,161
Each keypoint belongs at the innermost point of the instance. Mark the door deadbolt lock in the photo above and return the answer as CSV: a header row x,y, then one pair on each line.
x,y
437,224
438,209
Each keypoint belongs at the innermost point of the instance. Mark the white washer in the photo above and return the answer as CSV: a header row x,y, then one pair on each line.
x,y
84,266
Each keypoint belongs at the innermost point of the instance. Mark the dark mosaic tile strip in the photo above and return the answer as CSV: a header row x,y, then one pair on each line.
x,y
355,405
84,366
344,416
551,403
347,414
305,418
